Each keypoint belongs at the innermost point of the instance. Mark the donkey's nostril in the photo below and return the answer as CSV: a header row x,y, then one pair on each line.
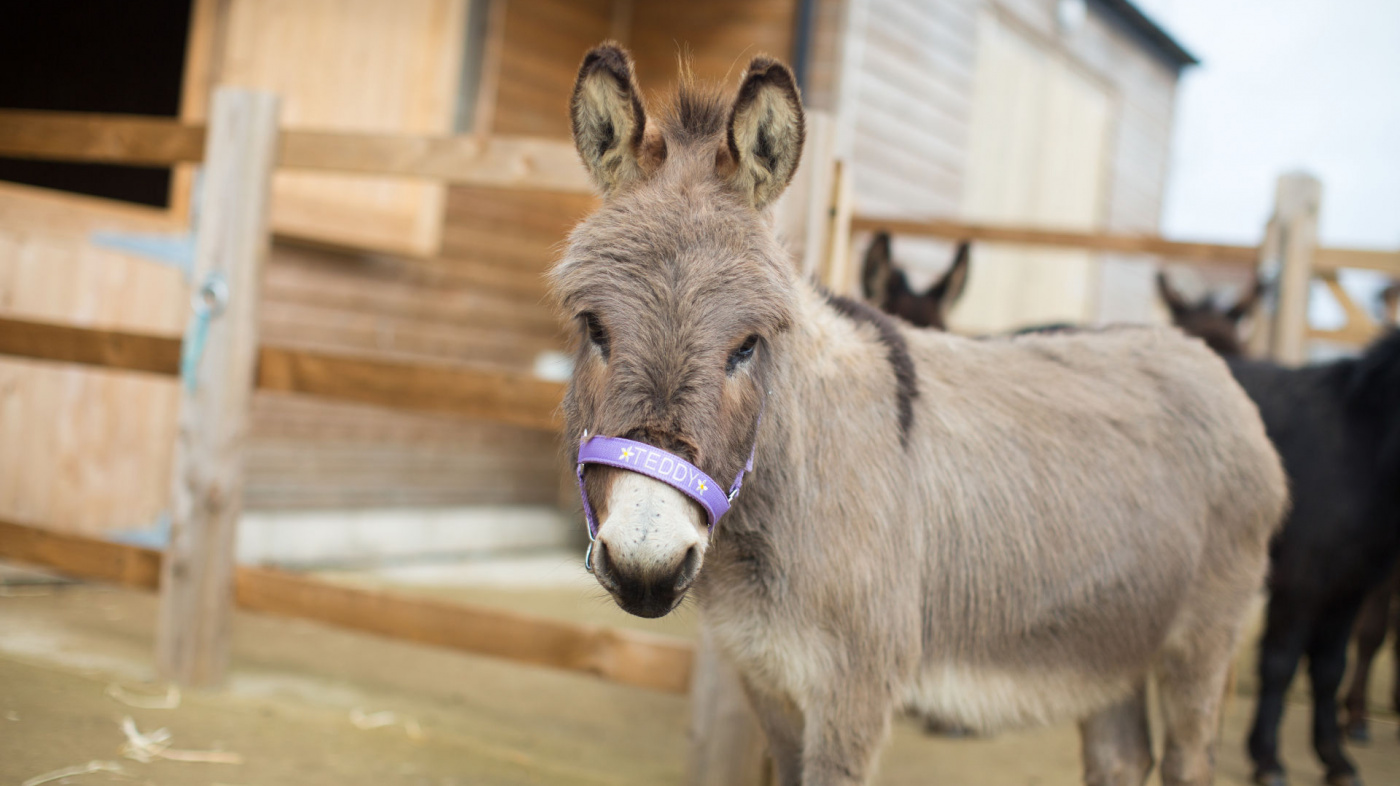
x,y
602,564
689,567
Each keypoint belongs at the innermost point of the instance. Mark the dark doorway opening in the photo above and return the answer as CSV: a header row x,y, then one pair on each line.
x,y
94,56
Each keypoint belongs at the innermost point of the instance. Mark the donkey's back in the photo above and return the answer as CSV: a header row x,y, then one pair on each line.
x,y
1091,498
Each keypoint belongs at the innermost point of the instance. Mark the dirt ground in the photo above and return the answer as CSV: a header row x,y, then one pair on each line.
x,y
294,687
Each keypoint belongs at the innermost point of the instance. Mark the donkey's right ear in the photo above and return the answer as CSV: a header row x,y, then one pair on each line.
x,y
1175,302
609,120
875,271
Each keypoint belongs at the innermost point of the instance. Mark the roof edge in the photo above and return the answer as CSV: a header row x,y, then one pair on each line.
x,y
1140,26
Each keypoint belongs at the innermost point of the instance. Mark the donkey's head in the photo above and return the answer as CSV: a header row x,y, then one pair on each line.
x,y
678,289
886,286
1218,327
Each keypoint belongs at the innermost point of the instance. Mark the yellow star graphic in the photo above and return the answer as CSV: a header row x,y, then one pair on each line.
x,y
626,453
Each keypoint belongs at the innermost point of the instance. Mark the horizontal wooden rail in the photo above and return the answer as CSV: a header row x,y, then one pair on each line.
x,y
1327,259
627,657
1330,260
90,347
1096,241
495,161
518,399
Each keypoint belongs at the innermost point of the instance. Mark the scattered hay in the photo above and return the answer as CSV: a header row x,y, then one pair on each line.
x,y
145,701
81,769
146,748
366,721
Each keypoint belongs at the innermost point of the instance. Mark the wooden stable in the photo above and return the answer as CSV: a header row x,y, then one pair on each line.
x,y
313,223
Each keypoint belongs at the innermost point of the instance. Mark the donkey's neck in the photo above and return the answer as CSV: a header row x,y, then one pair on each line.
x,y
834,408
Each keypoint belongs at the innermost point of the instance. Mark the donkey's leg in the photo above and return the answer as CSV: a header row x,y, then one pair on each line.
x,y
1371,625
1285,635
1327,662
845,727
782,725
1117,744
1191,675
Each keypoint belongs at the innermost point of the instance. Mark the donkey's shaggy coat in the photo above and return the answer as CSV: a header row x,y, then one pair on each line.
x,y
1049,520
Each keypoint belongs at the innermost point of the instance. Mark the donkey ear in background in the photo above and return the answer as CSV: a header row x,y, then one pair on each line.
x,y
1175,302
875,271
950,287
766,129
609,121
1247,303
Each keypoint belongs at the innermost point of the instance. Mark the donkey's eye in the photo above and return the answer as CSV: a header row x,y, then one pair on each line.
x,y
742,354
597,334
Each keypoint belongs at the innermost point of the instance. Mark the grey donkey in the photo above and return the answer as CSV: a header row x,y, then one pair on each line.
x,y
1003,532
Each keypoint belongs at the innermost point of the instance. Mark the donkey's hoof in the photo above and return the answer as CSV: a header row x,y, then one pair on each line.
x,y
1359,733
1344,779
1272,778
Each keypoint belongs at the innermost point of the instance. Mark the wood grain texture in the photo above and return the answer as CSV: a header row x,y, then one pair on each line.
x,y
625,657
543,42
358,66
89,450
80,555
508,398
207,476
86,346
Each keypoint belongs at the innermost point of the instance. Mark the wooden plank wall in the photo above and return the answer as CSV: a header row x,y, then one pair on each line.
x,y
718,37
485,311
916,96
85,450
352,65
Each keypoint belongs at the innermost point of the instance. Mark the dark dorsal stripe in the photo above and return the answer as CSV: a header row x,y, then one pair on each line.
x,y
897,352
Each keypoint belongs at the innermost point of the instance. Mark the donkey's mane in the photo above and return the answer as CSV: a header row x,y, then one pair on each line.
x,y
696,112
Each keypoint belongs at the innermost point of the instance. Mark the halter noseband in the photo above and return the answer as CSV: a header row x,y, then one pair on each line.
x,y
660,465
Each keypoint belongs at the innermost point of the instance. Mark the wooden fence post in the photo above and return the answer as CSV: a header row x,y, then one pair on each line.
x,y
727,746
1297,200
218,369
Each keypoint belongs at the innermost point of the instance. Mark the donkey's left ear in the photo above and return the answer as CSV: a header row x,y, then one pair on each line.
x,y
950,287
766,129
1249,301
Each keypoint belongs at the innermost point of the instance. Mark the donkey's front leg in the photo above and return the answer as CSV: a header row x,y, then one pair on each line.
x,y
782,725
845,726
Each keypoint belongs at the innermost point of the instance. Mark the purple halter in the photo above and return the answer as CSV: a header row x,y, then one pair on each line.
x,y
660,465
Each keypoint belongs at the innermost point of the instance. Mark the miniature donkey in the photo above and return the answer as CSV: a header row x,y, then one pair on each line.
x,y
1006,532
887,288
1337,428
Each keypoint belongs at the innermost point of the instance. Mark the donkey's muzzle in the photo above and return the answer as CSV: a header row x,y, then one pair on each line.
x,y
651,593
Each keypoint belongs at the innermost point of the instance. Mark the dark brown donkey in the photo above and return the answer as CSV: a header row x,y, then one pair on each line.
x,y
1219,327
887,288
1003,532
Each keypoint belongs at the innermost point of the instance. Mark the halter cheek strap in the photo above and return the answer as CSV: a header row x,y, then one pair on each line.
x,y
660,465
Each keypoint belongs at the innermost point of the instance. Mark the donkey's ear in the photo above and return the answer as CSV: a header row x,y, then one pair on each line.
x,y
1175,302
609,120
766,129
875,271
1247,303
950,287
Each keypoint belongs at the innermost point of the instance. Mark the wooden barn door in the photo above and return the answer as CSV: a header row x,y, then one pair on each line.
x,y
1039,141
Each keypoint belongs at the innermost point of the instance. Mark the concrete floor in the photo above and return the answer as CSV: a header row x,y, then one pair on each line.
x,y
294,686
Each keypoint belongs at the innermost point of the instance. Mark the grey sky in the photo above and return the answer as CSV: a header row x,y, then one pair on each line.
x,y
1286,84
